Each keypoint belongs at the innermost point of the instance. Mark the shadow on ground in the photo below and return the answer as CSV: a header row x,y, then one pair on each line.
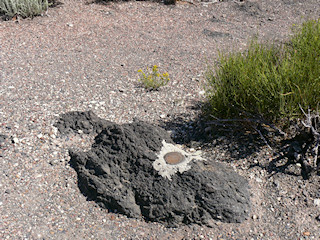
x,y
243,142
199,131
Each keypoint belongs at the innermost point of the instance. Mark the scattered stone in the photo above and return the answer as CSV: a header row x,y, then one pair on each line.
x,y
15,140
135,169
259,180
54,162
306,233
317,202
2,139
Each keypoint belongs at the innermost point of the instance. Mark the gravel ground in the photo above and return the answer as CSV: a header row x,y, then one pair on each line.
x,y
85,56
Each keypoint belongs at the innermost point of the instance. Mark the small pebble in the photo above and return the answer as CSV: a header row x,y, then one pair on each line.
x,y
53,162
192,150
306,233
259,180
317,202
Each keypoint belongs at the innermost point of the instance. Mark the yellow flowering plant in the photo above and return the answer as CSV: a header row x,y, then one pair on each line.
x,y
153,80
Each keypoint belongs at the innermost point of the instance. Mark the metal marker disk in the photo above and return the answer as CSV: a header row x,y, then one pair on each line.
x,y
173,158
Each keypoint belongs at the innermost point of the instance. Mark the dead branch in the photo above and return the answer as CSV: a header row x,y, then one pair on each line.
x,y
312,123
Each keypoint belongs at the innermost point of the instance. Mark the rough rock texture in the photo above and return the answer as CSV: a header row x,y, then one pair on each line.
x,y
87,122
118,173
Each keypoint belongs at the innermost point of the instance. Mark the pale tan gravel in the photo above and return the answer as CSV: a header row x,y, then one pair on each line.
x,y
85,56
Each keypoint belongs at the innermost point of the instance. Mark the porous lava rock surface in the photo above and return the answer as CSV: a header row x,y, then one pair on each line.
x,y
119,174
87,122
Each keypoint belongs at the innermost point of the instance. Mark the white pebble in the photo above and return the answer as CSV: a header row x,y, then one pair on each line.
x,y
317,202
259,180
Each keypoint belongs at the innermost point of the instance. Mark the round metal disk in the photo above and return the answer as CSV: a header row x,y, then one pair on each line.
x,y
173,158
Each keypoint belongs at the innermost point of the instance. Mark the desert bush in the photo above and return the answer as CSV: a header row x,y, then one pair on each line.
x,y
268,80
23,8
153,80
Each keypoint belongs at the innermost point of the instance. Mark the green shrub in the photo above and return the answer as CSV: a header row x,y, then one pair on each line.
x,y
268,80
23,8
153,80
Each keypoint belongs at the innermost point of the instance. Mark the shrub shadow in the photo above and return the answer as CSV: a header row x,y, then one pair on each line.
x,y
240,141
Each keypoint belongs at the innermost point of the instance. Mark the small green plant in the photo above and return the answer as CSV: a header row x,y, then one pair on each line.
x,y
23,8
268,80
153,80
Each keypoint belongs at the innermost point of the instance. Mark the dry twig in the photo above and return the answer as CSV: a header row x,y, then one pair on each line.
x,y
312,123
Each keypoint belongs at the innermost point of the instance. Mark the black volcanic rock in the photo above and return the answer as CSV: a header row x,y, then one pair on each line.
x,y
120,173
87,122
